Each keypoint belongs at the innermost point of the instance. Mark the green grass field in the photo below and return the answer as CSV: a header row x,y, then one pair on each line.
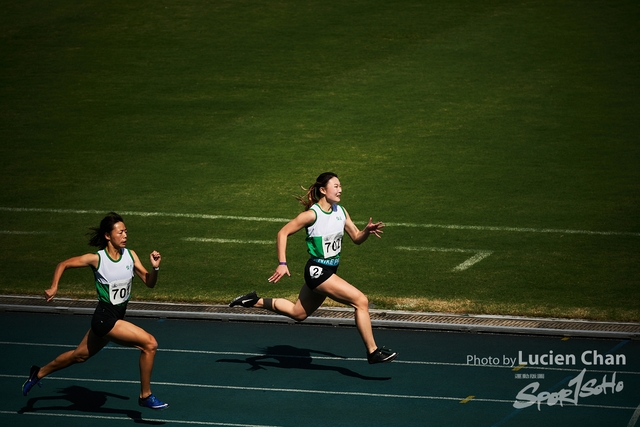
x,y
474,129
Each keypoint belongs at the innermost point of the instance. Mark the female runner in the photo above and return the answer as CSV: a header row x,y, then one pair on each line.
x,y
325,221
113,267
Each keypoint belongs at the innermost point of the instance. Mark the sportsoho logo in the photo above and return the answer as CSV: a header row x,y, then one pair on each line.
x,y
579,387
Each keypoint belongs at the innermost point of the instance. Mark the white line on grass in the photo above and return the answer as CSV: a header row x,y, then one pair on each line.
x,y
147,214
515,229
391,224
479,254
212,240
28,233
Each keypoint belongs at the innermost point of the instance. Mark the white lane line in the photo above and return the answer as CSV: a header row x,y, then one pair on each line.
x,y
212,240
345,359
391,224
480,254
634,417
302,391
143,420
268,389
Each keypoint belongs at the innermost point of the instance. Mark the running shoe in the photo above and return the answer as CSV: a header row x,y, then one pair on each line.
x,y
381,355
152,402
248,300
33,380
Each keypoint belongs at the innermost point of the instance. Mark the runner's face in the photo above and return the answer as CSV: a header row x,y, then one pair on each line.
x,y
118,235
333,190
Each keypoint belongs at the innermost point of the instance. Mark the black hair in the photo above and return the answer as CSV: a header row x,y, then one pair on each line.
x,y
97,238
313,193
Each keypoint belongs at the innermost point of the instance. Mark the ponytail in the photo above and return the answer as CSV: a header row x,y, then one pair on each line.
x,y
313,194
96,234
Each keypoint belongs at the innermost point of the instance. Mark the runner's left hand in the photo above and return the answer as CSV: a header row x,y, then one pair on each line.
x,y
155,259
374,228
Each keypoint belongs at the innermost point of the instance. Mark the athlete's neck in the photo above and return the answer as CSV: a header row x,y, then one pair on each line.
x,y
324,205
113,252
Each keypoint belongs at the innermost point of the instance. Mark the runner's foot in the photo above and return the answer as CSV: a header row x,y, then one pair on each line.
x,y
152,402
33,380
248,300
381,355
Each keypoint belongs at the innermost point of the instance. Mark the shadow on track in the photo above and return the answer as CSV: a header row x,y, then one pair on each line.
x,y
84,400
288,357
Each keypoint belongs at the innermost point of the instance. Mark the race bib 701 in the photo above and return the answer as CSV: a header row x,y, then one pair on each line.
x,y
119,291
332,244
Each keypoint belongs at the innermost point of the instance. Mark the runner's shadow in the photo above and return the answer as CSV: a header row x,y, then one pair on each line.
x,y
288,357
84,400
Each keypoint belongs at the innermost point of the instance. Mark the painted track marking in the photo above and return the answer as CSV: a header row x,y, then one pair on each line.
x,y
479,254
299,391
213,240
26,233
634,417
391,224
145,420
345,359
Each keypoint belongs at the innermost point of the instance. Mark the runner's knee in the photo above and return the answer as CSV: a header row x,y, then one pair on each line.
x,y
297,313
299,316
284,307
80,357
361,302
151,345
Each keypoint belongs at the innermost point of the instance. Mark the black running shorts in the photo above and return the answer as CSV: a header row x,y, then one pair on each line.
x,y
105,317
315,274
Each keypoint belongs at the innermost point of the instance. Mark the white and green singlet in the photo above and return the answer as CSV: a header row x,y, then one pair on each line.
x,y
114,278
324,236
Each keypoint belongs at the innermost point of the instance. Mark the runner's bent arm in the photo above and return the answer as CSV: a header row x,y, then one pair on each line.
x,y
149,278
85,260
359,236
298,223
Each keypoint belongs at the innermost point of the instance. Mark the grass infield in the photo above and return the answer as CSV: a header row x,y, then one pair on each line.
x,y
497,139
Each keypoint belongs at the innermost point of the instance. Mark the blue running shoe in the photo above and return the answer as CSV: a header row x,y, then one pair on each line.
x,y
33,380
152,402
